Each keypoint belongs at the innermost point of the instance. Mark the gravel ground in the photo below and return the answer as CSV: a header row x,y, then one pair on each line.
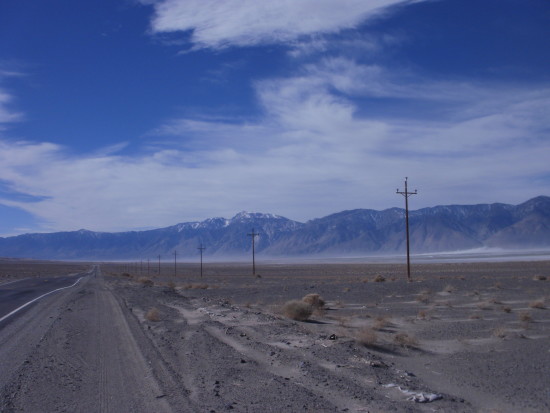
x,y
474,334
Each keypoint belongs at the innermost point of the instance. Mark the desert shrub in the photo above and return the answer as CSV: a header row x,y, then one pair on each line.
x,y
125,274
540,277
422,315
475,316
500,332
537,304
297,310
525,316
366,336
507,309
379,278
424,296
147,282
449,288
195,286
381,322
153,314
484,305
405,340
171,285
314,300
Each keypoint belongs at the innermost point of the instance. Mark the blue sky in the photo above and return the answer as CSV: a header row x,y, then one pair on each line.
x,y
127,114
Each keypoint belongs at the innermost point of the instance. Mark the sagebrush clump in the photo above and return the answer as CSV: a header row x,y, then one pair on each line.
x,y
297,310
314,300
147,282
153,314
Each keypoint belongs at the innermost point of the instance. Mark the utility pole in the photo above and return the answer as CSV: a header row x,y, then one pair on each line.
x,y
175,253
407,194
159,264
201,249
253,235
148,266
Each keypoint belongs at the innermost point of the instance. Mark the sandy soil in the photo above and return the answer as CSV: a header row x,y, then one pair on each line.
x,y
15,269
474,334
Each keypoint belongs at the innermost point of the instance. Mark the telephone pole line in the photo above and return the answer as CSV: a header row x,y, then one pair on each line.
x,y
407,194
201,249
253,235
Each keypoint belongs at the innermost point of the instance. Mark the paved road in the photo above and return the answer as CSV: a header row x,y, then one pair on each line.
x,y
17,296
82,350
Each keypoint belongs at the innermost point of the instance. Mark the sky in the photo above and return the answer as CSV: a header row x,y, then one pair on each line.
x,y
121,115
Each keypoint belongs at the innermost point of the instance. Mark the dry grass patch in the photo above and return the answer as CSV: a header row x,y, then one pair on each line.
x,y
315,301
537,304
381,322
297,310
147,282
153,314
405,340
367,337
423,315
195,286
500,332
424,297
484,305
525,317
476,316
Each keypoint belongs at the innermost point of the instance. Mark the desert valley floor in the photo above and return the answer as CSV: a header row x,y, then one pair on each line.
x,y
471,337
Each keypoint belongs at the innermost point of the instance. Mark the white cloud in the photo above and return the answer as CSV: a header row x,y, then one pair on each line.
x,y
315,151
222,23
7,115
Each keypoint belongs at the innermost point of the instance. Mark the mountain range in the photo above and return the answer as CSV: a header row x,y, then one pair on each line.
x,y
356,232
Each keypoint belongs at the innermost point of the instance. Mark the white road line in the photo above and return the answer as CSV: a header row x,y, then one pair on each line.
x,y
36,299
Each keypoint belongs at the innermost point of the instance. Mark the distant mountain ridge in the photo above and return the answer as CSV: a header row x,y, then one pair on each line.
x,y
346,233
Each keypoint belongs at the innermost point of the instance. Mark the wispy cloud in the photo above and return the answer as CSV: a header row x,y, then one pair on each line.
x,y
316,150
7,114
218,24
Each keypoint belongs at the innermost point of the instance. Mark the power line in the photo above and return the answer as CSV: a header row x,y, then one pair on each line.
x,y
407,194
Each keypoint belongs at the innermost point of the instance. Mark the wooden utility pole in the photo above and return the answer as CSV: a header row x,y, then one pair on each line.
x,y
201,249
407,194
253,235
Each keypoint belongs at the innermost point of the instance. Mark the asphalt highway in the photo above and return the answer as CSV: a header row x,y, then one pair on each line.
x,y
17,296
